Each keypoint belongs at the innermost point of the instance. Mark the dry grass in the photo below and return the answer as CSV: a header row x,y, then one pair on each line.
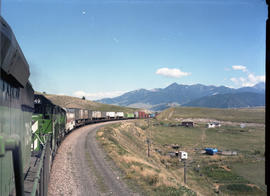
x,y
148,172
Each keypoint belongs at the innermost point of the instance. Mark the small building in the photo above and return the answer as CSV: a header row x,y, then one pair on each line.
x,y
187,124
211,151
183,155
213,125
242,125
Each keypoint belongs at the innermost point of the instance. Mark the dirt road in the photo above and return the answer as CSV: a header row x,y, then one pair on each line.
x,y
80,167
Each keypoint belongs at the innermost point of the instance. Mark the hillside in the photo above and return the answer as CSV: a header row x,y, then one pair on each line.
x,y
74,102
178,94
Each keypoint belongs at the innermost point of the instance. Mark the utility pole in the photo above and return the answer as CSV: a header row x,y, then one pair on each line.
x,y
185,171
183,157
148,147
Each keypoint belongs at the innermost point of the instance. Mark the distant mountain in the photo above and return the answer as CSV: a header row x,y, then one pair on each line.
x,y
178,94
230,100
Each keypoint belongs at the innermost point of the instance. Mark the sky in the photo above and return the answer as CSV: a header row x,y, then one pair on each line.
x,y
103,48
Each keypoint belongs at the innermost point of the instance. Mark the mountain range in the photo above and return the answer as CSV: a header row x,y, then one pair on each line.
x,y
197,95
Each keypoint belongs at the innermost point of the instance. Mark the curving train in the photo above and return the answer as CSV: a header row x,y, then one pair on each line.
x,y
31,126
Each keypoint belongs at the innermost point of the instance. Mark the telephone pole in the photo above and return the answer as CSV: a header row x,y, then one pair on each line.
x,y
148,147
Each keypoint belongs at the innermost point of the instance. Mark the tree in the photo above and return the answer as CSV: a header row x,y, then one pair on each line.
x,y
83,98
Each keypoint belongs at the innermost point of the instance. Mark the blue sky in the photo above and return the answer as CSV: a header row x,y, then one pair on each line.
x,y
104,48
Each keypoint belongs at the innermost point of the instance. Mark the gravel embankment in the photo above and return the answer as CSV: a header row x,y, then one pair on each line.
x,y
80,168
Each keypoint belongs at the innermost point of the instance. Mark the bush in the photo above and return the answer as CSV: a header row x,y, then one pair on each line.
x,y
151,180
242,189
220,175
171,191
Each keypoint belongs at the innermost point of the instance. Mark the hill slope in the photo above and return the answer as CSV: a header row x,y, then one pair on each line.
x,y
74,102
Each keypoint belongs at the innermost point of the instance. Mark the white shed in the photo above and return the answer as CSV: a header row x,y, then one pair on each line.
x,y
213,124
183,155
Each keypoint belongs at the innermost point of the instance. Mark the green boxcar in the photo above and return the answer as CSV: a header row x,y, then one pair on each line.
x,y
129,115
16,107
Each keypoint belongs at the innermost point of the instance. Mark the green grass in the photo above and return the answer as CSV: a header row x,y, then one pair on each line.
x,y
241,189
220,175
232,138
248,115
171,191
252,171
176,135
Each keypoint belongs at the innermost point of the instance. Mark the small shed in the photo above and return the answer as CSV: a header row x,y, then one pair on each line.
x,y
242,125
211,151
213,124
187,123
183,155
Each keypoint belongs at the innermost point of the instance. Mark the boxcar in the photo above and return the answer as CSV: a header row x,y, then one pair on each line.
x,y
136,114
96,115
89,118
142,114
129,115
79,117
103,115
119,115
70,116
110,115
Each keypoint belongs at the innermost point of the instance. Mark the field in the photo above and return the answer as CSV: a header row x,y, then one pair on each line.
x,y
245,115
162,174
74,102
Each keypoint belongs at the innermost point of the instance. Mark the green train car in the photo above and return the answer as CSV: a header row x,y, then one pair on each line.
x,y
16,107
49,121
129,115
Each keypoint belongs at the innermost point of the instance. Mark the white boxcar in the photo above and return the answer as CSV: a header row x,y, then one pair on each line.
x,y
110,115
136,114
96,114
70,115
119,115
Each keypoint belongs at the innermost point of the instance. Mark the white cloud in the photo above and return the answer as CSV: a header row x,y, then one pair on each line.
x,y
249,80
174,73
98,95
240,67
83,12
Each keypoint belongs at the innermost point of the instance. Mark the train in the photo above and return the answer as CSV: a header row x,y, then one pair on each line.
x,y
31,126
